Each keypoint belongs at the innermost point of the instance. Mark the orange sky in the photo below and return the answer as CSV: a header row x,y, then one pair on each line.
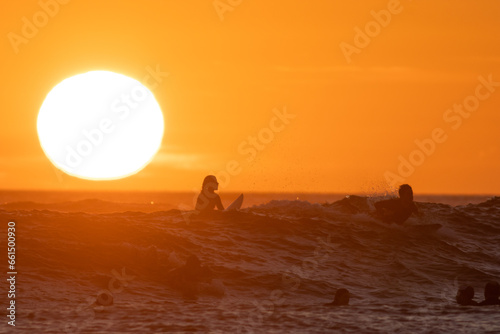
x,y
353,119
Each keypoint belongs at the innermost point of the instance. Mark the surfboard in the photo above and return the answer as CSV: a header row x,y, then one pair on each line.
x,y
236,205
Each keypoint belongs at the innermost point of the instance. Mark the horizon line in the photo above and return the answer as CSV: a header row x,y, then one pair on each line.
x,y
244,192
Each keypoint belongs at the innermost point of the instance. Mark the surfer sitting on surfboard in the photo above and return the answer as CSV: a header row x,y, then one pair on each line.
x,y
208,199
397,210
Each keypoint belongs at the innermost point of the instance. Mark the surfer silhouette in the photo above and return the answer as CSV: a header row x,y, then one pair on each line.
x,y
491,294
397,210
208,199
465,295
341,298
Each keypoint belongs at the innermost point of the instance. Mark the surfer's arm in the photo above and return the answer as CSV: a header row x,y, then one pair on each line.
x,y
201,203
218,203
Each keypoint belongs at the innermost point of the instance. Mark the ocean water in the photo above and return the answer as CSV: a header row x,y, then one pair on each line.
x,y
276,263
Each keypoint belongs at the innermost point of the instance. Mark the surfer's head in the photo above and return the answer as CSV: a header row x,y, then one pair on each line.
x,y
465,295
406,193
341,297
491,290
210,183
104,299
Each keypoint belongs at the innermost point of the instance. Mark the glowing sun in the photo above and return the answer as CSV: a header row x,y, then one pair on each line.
x,y
100,125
